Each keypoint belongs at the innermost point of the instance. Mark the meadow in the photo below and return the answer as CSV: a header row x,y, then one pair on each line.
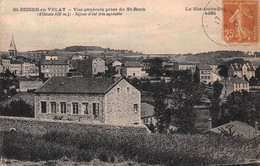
x,y
113,147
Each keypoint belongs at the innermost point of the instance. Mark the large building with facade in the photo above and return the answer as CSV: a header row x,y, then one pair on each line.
x,y
232,84
132,69
240,70
89,99
19,67
90,67
54,68
203,73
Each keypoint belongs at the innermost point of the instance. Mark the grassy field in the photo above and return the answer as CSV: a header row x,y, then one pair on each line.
x,y
109,147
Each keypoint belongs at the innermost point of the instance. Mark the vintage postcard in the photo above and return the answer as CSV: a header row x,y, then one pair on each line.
x,y
129,82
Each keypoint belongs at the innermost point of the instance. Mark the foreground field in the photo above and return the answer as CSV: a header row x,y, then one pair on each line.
x,y
109,147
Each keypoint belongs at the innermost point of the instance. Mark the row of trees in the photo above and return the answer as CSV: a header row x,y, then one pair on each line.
x,y
185,94
242,106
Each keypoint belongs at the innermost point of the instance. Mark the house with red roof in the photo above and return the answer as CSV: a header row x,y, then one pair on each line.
x,y
89,99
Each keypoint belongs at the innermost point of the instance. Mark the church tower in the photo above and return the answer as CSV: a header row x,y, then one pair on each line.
x,y
12,50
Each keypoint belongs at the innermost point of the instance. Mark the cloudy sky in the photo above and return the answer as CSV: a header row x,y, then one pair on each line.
x,y
165,27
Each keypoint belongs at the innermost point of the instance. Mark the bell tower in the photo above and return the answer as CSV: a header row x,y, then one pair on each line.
x,y
12,50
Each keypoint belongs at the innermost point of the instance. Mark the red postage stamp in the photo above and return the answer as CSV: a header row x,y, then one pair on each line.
x,y
240,21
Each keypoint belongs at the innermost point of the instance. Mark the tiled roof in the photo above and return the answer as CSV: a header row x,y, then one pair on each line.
x,y
54,62
13,61
238,66
204,66
86,85
132,64
234,80
240,128
147,110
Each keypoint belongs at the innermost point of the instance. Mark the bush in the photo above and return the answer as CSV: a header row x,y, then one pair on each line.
x,y
17,108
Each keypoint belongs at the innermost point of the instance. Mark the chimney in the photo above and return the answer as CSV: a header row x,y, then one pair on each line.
x,y
210,123
256,126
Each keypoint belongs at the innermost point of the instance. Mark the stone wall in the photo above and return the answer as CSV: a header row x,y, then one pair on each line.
x,y
37,126
69,99
119,108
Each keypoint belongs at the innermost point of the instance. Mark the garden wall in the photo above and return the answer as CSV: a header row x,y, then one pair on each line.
x,y
37,126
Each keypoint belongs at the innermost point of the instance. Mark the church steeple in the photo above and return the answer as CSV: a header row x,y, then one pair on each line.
x,y
12,50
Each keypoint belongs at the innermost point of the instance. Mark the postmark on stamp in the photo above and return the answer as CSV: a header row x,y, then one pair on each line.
x,y
231,22
240,21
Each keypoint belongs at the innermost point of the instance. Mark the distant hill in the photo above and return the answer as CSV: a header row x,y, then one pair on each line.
x,y
216,57
82,48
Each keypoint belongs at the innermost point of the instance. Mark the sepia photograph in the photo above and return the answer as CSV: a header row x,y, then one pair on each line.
x,y
129,83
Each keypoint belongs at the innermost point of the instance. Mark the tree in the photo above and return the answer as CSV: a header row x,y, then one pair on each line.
x,y
156,67
186,94
215,103
257,73
223,70
161,112
239,106
8,73
252,81
18,108
245,78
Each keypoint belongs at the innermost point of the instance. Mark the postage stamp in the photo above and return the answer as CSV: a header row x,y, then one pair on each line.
x,y
240,21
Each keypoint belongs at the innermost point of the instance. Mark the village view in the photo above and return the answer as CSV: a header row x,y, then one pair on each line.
x,y
105,106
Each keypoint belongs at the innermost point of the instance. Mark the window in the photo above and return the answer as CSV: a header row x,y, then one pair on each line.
x,y
95,109
85,108
202,77
202,72
128,89
75,108
118,90
43,107
208,77
239,85
53,107
135,108
63,107
134,74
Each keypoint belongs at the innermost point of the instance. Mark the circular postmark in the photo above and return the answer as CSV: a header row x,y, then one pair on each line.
x,y
230,22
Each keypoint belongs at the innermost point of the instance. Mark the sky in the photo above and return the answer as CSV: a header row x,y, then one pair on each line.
x,y
165,27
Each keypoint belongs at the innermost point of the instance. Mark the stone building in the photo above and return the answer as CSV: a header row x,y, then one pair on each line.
x,y
54,68
147,114
29,83
88,99
89,67
232,84
132,69
241,70
203,73
187,66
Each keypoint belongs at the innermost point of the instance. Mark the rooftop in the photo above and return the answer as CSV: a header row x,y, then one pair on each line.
x,y
12,45
54,62
240,128
204,66
85,85
147,110
234,80
132,64
238,66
